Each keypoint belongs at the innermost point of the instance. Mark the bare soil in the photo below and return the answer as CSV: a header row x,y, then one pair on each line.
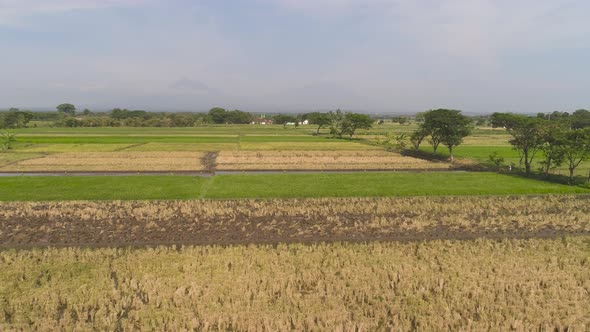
x,y
120,224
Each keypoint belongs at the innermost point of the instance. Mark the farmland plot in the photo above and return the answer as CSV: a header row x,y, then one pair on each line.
x,y
481,285
121,223
321,160
111,161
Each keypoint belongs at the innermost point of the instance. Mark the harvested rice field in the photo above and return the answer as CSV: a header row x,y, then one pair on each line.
x,y
14,157
322,160
480,285
183,147
316,146
247,221
110,161
53,148
274,251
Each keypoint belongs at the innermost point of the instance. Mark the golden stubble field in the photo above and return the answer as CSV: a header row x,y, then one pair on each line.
x,y
497,285
322,160
252,270
111,162
145,161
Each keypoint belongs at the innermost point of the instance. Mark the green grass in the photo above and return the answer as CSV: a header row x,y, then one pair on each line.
x,y
378,184
286,185
52,148
479,153
55,188
123,139
286,138
202,130
308,146
183,147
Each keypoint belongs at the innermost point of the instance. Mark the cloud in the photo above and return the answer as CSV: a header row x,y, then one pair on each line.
x,y
13,12
476,29
355,54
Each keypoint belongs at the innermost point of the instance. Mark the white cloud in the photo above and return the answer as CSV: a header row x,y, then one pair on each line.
x,y
13,12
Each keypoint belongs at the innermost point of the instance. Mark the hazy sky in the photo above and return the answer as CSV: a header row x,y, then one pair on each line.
x,y
372,55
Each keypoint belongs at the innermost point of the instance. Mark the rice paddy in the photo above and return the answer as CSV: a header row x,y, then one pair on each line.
x,y
321,160
110,162
496,285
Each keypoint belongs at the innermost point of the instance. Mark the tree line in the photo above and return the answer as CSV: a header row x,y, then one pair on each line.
x,y
561,140
340,123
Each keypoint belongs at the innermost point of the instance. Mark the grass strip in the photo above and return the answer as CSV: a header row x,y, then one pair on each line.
x,y
282,185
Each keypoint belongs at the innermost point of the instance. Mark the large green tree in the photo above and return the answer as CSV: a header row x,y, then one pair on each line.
x,y
217,115
336,120
526,134
354,121
447,127
237,117
319,119
66,109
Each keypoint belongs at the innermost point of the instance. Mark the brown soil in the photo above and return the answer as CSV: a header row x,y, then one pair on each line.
x,y
285,221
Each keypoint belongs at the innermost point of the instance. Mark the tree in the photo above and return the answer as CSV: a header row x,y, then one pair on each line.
x,y
217,115
284,119
525,132
419,117
71,122
237,117
401,141
86,112
336,120
354,121
67,109
552,136
119,113
319,119
576,148
6,140
580,119
417,137
15,118
448,127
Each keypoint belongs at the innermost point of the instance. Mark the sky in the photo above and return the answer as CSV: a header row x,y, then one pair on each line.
x,y
389,56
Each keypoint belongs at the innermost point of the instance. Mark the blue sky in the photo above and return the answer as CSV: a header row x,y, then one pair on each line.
x,y
298,55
